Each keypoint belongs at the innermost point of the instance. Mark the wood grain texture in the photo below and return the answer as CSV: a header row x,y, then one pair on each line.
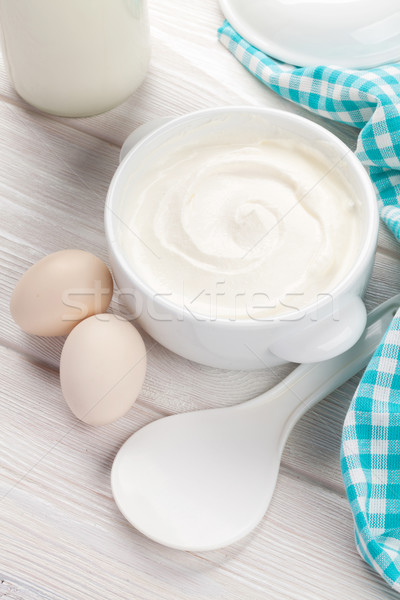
x,y
61,535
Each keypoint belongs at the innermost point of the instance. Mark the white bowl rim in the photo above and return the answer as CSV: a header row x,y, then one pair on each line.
x,y
367,250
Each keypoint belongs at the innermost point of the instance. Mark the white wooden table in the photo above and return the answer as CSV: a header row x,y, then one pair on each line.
x,y
61,534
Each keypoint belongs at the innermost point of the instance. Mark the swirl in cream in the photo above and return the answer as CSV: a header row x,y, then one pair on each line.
x,y
243,232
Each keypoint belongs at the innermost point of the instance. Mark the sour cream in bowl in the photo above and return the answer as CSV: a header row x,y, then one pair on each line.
x,y
241,237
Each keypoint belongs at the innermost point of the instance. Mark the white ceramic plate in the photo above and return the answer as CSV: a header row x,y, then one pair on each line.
x,y
348,33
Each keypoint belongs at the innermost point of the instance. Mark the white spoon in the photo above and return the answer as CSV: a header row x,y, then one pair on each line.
x,y
202,480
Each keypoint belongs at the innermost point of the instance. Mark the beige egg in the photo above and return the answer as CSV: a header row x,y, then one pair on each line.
x,y
59,291
102,368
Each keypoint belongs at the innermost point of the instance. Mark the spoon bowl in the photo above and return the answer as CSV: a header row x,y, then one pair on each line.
x,y
198,486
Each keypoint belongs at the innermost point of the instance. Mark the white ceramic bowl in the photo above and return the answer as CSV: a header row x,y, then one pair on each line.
x,y
350,33
314,333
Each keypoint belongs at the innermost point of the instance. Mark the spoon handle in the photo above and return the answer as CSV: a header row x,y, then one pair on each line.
x,y
310,383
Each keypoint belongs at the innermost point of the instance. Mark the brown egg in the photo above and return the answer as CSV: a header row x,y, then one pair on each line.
x,y
102,368
59,291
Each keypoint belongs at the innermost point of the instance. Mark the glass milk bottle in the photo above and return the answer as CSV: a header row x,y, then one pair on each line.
x,y
75,57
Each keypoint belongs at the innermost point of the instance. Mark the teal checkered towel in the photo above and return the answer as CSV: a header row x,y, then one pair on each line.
x,y
370,455
370,458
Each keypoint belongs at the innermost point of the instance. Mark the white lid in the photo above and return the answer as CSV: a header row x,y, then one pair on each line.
x,y
348,33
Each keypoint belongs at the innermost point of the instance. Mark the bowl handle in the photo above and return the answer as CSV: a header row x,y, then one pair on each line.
x,y
325,338
141,132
